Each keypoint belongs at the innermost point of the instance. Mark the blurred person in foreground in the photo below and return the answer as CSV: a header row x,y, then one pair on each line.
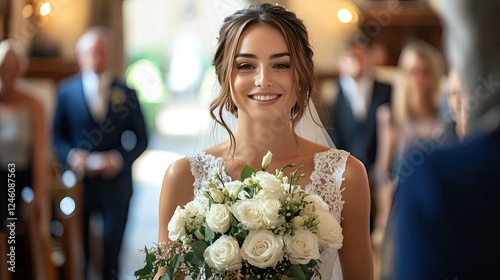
x,y
99,132
23,155
445,216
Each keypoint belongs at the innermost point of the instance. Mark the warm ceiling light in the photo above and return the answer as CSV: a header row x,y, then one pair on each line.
x,y
344,15
27,11
45,9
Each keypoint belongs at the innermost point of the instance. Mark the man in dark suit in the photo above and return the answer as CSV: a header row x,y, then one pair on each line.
x,y
98,132
353,118
445,220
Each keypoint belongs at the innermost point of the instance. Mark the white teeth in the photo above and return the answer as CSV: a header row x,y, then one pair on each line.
x,y
264,97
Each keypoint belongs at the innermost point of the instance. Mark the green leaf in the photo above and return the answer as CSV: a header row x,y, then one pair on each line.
x,y
151,257
296,272
165,277
247,172
240,234
193,259
209,234
199,247
308,271
145,271
208,271
171,267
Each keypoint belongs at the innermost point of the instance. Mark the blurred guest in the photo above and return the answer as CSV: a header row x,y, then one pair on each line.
x,y
445,216
23,147
455,127
99,132
353,114
413,120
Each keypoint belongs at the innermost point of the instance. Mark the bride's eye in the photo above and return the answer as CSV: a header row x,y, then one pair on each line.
x,y
282,66
245,66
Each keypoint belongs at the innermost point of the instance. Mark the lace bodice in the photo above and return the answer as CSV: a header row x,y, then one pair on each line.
x,y
326,181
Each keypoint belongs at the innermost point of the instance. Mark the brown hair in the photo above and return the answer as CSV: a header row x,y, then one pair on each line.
x,y
301,54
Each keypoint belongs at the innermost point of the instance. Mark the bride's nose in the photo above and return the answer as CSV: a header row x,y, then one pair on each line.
x,y
263,78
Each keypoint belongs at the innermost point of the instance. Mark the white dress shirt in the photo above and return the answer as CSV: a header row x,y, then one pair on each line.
x,y
96,89
358,94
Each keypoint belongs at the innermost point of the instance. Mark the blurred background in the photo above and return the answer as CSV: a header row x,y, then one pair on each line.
x,y
164,51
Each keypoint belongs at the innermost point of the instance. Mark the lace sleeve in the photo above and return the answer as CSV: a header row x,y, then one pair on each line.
x,y
203,166
326,181
327,178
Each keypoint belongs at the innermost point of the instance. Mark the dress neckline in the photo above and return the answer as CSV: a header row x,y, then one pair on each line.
x,y
311,176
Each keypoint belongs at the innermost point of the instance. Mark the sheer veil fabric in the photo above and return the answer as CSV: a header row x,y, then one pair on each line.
x,y
309,127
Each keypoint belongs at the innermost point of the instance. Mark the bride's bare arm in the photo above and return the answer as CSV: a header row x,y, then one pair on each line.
x,y
356,255
176,190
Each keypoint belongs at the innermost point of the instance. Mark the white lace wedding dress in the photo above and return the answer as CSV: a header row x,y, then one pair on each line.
x,y
326,181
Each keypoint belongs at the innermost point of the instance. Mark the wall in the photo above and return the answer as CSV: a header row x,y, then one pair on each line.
x,y
326,31
65,24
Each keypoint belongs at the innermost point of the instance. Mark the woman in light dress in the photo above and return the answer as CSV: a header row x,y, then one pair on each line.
x,y
264,65
412,120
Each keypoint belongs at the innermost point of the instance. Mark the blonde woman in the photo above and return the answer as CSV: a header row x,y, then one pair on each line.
x,y
412,120
23,157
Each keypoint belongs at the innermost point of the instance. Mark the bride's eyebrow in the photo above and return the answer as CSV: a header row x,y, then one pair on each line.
x,y
273,56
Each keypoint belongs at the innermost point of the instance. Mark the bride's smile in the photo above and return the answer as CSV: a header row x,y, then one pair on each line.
x,y
262,74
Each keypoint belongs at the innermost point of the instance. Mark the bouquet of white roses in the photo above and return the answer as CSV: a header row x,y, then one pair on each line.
x,y
262,227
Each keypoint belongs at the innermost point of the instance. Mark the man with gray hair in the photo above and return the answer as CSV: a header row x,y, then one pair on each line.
x,y
98,132
445,218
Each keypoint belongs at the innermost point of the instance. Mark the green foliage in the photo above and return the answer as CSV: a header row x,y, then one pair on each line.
x,y
199,247
185,255
247,172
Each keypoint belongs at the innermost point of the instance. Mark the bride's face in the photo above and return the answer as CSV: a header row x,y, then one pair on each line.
x,y
261,81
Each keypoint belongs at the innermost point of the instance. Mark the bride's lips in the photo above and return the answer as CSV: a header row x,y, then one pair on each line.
x,y
265,97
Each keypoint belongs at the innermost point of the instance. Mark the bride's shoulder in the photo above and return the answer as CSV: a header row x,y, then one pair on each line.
x,y
355,181
354,169
178,169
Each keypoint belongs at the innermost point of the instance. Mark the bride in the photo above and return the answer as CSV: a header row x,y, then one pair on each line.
x,y
264,65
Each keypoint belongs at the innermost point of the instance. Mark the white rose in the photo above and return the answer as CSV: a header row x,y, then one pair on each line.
x,y
219,218
177,224
248,212
302,247
271,209
216,195
233,188
329,231
316,203
271,186
196,207
262,248
224,254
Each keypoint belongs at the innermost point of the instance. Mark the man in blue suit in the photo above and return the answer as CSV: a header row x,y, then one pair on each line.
x,y
98,132
445,219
